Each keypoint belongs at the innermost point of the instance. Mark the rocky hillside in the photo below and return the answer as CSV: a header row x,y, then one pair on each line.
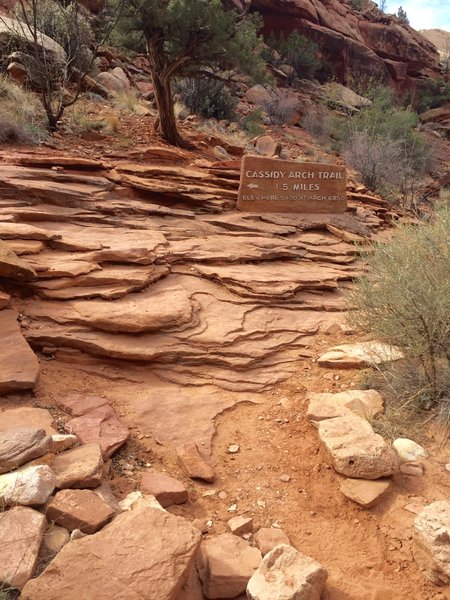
x,y
355,42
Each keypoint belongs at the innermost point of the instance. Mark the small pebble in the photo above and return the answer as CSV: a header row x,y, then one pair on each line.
x,y
286,478
223,495
233,449
233,508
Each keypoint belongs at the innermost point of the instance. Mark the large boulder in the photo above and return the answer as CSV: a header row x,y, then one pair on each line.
x,y
144,553
15,32
287,574
431,545
225,565
18,446
356,450
21,532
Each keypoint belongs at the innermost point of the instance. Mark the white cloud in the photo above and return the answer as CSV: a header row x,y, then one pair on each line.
x,y
424,14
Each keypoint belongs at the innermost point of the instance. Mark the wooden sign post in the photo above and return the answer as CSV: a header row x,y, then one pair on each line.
x,y
280,186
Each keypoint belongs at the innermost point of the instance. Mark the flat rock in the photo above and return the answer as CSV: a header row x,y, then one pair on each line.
x,y
28,417
355,449
193,464
138,313
13,267
363,403
80,404
21,532
100,425
225,564
28,486
79,509
19,366
408,450
287,574
431,542
18,446
79,467
359,355
267,538
365,493
155,551
165,489
240,525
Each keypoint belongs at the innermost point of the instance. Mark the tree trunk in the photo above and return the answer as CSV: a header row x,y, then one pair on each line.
x,y
166,125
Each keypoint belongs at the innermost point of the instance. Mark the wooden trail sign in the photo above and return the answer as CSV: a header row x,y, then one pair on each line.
x,y
281,186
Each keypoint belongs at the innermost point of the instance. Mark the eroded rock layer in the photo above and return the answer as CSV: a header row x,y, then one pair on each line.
x,y
131,264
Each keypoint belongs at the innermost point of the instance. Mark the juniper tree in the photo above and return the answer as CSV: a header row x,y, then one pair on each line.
x,y
183,38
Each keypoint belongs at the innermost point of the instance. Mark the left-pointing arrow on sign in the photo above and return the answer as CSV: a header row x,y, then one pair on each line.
x,y
253,186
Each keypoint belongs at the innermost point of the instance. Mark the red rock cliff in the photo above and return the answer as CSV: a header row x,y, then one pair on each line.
x,y
355,43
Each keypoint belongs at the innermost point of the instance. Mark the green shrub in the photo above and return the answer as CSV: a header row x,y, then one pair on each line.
x,y
207,97
404,300
433,95
381,143
297,51
253,123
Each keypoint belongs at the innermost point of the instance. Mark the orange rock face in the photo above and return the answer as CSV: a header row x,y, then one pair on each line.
x,y
355,43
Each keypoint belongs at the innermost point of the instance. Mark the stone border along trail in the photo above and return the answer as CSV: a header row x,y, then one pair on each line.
x,y
142,285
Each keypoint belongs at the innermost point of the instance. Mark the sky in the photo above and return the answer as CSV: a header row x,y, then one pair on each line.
x,y
423,14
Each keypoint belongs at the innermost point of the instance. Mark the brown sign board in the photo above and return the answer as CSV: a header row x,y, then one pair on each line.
x,y
281,186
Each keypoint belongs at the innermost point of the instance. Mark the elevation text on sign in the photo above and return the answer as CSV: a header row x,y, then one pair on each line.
x,y
271,185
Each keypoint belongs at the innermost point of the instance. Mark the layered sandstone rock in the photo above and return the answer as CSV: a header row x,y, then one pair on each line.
x,y
356,43
432,542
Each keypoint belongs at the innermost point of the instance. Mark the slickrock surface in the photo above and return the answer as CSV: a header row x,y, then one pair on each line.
x,y
155,551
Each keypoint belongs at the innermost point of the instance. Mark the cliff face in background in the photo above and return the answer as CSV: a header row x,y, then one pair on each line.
x,y
355,43
440,38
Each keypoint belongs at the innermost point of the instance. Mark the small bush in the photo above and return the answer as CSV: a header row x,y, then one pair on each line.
x,y
433,95
281,107
253,123
318,124
206,97
376,159
404,300
20,122
296,51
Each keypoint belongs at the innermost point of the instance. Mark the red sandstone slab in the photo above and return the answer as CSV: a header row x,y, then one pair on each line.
x,y
279,186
